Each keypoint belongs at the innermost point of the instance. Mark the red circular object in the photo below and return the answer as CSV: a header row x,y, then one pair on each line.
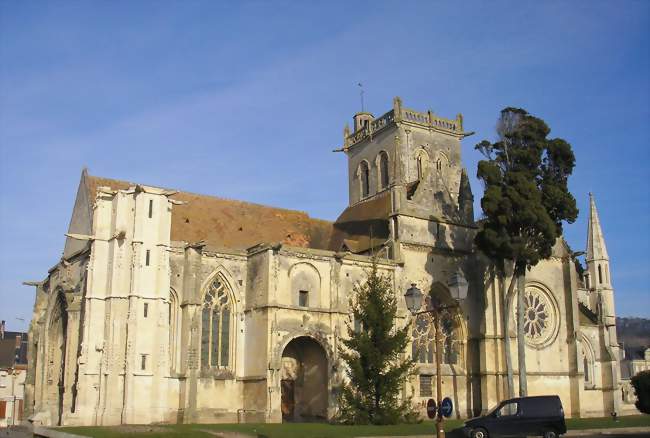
x,y
431,408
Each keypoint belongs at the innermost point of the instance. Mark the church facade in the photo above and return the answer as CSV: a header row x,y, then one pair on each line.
x,y
169,306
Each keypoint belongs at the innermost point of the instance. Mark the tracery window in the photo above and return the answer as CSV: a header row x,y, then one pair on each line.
x,y
424,348
215,326
541,323
536,315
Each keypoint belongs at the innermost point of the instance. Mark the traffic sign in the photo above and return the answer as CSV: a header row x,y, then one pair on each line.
x,y
446,407
431,408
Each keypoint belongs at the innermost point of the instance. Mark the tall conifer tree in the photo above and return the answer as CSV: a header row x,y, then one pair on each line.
x,y
372,352
526,199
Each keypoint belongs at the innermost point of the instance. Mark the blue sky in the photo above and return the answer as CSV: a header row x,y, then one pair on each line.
x,y
246,100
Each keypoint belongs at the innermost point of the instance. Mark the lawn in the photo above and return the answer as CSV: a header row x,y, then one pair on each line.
x,y
294,430
318,430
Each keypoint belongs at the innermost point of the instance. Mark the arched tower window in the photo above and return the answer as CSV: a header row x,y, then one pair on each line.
x,y
421,163
216,325
364,179
383,170
600,275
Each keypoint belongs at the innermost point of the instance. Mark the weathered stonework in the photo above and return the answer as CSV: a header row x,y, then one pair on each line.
x,y
126,330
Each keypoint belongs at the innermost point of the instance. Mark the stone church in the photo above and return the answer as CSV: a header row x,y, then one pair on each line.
x,y
168,306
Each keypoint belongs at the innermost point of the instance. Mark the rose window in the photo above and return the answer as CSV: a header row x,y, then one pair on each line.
x,y
536,315
540,317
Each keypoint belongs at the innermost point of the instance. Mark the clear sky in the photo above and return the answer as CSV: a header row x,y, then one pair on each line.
x,y
247,100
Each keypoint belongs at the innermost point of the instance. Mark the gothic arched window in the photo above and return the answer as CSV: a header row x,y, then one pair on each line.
x,y
424,347
600,275
588,363
421,164
215,325
383,170
364,178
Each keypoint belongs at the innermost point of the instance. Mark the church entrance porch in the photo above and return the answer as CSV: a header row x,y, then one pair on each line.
x,y
304,381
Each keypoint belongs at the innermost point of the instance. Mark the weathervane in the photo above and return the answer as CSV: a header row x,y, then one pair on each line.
x,y
361,95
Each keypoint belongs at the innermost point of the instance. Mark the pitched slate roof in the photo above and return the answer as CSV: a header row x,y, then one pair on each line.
x,y
233,224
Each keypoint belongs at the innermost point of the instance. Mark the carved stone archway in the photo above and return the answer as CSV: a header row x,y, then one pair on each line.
x,y
56,348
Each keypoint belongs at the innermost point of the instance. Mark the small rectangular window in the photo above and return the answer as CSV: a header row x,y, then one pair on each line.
x,y
143,363
425,386
147,256
146,309
150,208
357,326
303,298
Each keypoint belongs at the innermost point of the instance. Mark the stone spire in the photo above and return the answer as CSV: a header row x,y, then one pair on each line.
x,y
596,249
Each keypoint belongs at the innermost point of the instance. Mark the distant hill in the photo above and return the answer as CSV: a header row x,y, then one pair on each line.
x,y
633,332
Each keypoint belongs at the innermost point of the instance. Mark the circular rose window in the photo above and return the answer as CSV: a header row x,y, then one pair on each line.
x,y
540,317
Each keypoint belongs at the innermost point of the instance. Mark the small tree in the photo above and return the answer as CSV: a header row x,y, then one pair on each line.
x,y
641,384
372,354
525,201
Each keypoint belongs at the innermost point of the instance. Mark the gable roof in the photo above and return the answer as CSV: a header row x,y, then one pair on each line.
x,y
230,223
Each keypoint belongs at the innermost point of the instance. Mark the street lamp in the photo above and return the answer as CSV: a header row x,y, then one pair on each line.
x,y
458,286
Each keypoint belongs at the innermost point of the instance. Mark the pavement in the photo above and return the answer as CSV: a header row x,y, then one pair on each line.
x,y
614,432
623,432
16,432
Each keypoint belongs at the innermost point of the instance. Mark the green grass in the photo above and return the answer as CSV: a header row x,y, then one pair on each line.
x,y
318,430
294,430
607,422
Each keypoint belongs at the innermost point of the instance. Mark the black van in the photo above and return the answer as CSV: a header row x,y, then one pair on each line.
x,y
524,416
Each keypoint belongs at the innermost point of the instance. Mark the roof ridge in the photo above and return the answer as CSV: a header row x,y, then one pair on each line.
x,y
95,177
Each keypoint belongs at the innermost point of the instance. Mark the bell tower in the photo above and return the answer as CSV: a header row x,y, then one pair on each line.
x,y
413,155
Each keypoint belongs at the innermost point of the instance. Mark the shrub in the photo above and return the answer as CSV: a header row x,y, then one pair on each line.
x,y
641,384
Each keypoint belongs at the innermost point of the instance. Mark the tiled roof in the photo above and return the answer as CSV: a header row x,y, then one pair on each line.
x,y
7,353
234,224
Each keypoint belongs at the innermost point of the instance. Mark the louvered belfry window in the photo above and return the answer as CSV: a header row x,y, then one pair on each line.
x,y
215,326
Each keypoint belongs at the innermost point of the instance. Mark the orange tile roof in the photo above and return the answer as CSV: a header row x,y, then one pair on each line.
x,y
234,224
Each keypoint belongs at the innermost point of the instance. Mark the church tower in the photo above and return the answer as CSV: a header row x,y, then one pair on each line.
x,y
407,184
415,156
600,285
599,278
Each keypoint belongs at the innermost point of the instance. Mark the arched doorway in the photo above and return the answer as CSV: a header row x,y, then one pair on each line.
x,y
304,381
57,332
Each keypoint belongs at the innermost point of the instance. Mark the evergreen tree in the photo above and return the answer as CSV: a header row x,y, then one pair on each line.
x,y
526,199
372,354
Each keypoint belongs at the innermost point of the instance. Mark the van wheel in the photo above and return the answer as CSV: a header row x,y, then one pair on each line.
x,y
479,433
550,434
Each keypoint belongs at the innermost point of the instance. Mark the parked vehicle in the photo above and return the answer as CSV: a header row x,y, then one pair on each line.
x,y
523,416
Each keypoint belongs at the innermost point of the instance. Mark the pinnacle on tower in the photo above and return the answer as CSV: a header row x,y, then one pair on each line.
x,y
596,249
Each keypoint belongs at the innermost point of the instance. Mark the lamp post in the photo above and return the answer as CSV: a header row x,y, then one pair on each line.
x,y
457,285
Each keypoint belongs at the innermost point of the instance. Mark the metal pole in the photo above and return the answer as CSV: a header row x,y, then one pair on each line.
x,y
440,432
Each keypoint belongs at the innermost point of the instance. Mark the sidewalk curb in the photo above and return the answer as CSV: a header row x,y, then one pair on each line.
x,y
609,431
